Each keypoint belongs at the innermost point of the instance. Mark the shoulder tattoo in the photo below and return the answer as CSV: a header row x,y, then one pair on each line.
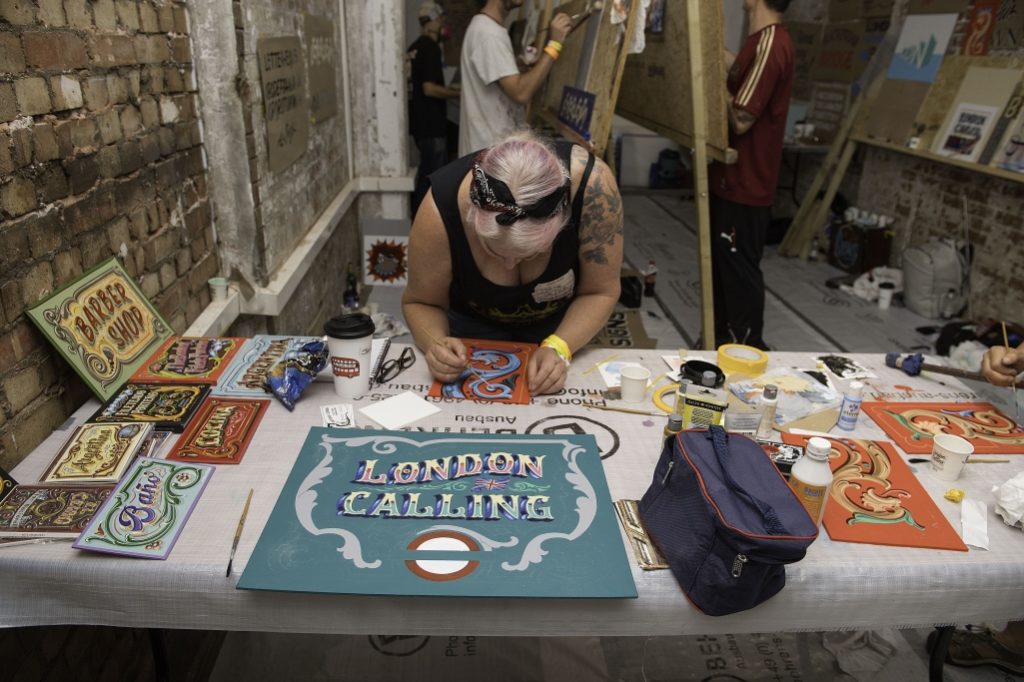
x,y
601,218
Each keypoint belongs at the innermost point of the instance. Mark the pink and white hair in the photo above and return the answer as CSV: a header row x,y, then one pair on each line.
x,y
532,171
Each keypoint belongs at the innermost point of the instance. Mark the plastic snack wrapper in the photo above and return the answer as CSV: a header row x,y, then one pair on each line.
x,y
290,377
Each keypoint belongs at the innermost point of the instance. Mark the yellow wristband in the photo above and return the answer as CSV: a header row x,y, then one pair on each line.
x,y
561,348
551,52
555,44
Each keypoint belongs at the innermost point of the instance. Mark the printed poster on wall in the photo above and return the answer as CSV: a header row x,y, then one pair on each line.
x,y
837,59
964,134
975,112
403,513
323,80
103,326
921,46
1006,146
806,38
385,260
285,107
828,106
980,26
1008,34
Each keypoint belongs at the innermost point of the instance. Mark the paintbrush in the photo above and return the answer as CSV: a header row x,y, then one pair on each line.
x,y
468,367
577,20
970,460
1016,405
238,532
627,410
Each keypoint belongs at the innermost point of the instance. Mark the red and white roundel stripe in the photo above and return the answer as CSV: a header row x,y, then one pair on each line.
x,y
441,570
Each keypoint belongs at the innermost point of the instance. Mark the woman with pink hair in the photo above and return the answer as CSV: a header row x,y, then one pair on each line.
x,y
518,242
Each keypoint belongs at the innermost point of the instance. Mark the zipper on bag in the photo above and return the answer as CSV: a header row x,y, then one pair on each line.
x,y
668,472
737,565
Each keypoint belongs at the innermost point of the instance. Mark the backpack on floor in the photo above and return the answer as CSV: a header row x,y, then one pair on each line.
x,y
936,278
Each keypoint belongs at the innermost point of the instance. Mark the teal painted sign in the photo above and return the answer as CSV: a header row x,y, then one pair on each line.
x,y
381,512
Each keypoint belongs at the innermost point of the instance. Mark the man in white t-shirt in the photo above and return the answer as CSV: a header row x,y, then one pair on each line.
x,y
494,92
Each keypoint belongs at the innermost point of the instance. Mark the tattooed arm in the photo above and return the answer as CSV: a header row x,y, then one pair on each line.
x,y
597,290
600,257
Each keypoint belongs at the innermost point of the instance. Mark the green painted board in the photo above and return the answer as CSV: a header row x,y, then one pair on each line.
x,y
402,513
103,325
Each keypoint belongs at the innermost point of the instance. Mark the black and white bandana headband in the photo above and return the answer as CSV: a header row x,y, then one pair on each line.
x,y
491,194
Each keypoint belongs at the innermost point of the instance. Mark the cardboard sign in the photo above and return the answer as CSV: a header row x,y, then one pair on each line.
x,y
97,453
323,76
7,484
220,432
828,107
806,38
403,513
50,511
837,59
496,373
145,514
921,46
876,499
103,326
576,110
912,426
165,406
248,370
189,359
285,107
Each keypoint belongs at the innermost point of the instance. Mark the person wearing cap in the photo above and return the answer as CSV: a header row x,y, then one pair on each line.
x,y
428,116
494,92
519,242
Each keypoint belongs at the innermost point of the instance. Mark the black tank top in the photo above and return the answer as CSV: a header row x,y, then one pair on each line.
x,y
473,294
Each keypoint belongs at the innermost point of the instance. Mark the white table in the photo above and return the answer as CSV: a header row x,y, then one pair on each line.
x,y
838,585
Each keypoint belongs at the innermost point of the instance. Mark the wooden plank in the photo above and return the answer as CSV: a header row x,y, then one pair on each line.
x,y
655,91
929,156
700,171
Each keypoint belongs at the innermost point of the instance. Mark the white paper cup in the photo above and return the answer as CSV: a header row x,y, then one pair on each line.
x,y
218,288
885,297
634,383
949,455
349,341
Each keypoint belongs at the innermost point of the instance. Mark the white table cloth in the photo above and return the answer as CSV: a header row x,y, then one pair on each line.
x,y
838,585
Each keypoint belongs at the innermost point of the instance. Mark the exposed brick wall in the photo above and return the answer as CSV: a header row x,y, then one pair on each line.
x,y
928,200
100,155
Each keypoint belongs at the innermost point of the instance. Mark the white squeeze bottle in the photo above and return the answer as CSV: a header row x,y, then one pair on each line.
x,y
811,477
850,409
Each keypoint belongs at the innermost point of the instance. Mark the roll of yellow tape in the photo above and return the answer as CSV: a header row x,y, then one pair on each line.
x,y
735,357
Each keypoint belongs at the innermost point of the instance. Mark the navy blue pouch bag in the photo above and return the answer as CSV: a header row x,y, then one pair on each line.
x,y
725,520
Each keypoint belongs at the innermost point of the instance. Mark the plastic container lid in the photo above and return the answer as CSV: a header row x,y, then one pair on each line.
x,y
856,388
771,392
709,378
818,448
350,326
675,422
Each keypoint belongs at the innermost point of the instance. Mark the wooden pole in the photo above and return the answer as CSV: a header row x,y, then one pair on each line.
x,y
700,170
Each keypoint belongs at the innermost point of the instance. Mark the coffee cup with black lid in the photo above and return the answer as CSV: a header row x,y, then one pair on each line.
x,y
349,340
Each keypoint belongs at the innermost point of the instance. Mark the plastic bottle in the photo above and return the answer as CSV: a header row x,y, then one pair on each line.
x,y
850,409
350,297
674,425
811,477
769,400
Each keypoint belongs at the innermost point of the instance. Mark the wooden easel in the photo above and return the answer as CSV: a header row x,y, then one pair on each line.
x,y
592,60
680,92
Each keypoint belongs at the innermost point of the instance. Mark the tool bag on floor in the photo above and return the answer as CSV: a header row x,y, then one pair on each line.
x,y
724,519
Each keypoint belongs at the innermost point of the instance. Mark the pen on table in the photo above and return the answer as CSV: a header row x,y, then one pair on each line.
x,y
238,532
1006,342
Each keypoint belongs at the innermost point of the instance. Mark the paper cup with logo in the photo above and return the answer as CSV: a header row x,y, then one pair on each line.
x,y
349,340
949,455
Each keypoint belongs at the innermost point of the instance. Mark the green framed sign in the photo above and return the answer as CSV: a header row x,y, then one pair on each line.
x,y
103,326
406,513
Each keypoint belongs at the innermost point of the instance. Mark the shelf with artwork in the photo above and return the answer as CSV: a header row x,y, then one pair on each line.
x,y
959,103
